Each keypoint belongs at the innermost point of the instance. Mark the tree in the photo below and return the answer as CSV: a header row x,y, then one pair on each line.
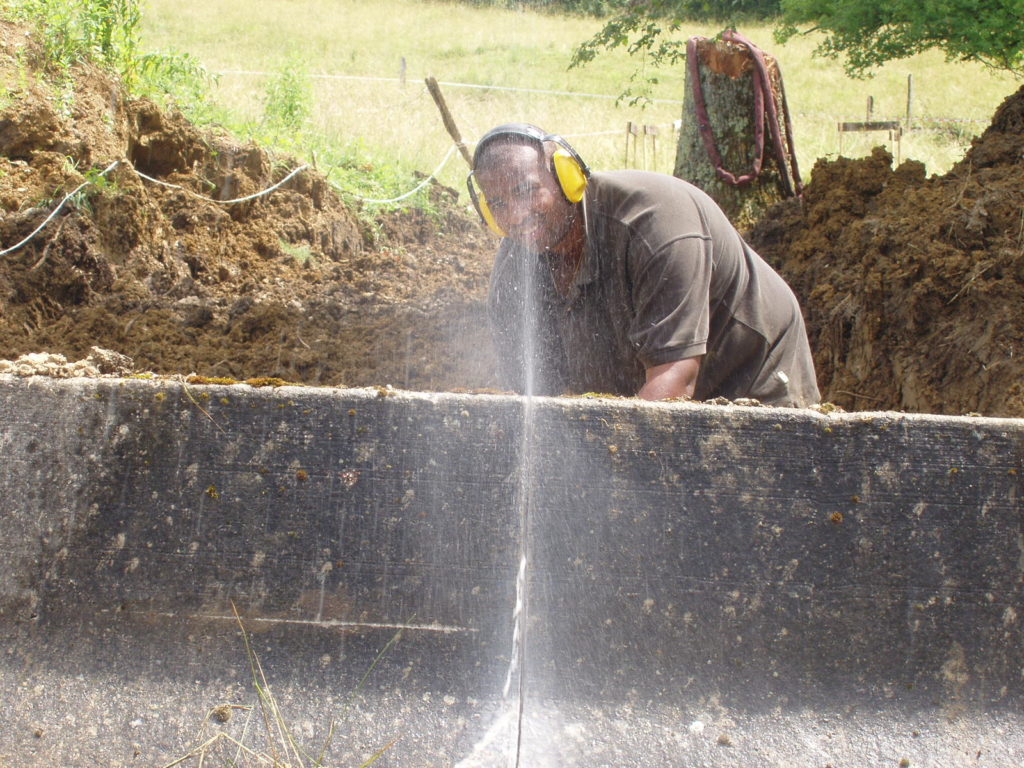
x,y
869,33
866,33
722,147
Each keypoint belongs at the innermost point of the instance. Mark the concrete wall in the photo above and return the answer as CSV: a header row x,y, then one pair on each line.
x,y
704,585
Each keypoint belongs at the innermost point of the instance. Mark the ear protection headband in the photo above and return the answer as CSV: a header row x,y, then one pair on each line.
x,y
570,170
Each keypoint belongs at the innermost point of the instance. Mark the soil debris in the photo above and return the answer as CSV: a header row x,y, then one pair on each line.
x,y
100,362
913,288
289,287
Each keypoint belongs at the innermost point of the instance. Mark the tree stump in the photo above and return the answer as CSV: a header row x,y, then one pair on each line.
x,y
727,79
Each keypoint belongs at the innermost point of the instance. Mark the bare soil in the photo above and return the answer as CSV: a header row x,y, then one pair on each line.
x,y
912,287
289,286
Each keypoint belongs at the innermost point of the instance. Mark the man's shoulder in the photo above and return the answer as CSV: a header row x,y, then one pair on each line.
x,y
628,178
647,200
633,187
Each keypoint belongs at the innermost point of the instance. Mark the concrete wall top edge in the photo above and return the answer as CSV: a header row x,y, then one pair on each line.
x,y
566,403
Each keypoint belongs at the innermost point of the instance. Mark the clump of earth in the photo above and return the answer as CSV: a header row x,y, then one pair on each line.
x,y
911,286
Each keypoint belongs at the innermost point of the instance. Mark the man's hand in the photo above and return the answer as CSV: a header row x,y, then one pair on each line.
x,y
676,379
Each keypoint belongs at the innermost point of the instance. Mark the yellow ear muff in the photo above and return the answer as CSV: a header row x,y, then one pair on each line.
x,y
570,176
485,213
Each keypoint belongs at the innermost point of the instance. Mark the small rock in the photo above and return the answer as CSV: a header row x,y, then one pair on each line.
x,y
110,362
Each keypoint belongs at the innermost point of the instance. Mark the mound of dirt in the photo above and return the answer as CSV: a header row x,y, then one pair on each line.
x,y
913,288
288,285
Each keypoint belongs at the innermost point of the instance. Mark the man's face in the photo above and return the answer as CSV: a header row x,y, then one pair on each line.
x,y
524,196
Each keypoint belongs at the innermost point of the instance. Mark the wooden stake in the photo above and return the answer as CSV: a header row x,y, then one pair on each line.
x,y
449,122
632,129
910,100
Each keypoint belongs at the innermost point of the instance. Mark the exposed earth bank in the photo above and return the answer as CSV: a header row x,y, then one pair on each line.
x,y
912,287
289,285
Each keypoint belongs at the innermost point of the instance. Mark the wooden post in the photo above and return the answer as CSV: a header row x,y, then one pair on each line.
x,y
652,131
910,99
401,72
632,129
446,117
894,127
871,107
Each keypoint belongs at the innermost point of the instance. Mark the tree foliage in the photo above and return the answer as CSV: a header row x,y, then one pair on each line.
x,y
867,33
863,33
647,27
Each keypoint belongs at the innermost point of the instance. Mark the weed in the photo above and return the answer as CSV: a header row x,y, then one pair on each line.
x,y
107,32
96,183
288,97
300,252
74,31
178,79
283,749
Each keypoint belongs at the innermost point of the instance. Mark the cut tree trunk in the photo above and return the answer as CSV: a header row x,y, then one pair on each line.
x,y
727,79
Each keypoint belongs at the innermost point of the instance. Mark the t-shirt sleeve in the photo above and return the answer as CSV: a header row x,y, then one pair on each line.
x,y
670,290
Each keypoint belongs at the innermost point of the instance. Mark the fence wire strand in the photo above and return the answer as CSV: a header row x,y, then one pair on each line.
x,y
56,210
414,190
253,196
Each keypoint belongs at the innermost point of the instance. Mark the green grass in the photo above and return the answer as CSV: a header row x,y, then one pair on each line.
x,y
375,133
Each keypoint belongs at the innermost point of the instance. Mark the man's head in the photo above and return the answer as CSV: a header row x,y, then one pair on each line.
x,y
530,182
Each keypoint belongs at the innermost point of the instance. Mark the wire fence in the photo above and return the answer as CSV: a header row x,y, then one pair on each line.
x,y
371,112
648,145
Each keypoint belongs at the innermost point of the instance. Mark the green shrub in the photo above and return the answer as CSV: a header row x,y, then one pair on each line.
x,y
287,101
73,31
107,32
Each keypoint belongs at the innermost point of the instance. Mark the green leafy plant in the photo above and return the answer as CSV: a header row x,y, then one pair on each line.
x,y
107,32
178,79
73,31
867,34
96,184
288,97
300,252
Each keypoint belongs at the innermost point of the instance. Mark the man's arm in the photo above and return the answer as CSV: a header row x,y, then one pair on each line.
x,y
677,379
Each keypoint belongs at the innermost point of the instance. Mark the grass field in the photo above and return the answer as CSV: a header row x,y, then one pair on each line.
x,y
352,55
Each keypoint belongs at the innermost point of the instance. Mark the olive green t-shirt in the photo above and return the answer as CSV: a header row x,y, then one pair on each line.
x,y
665,277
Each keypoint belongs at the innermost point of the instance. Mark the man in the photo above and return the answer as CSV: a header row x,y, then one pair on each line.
x,y
628,283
